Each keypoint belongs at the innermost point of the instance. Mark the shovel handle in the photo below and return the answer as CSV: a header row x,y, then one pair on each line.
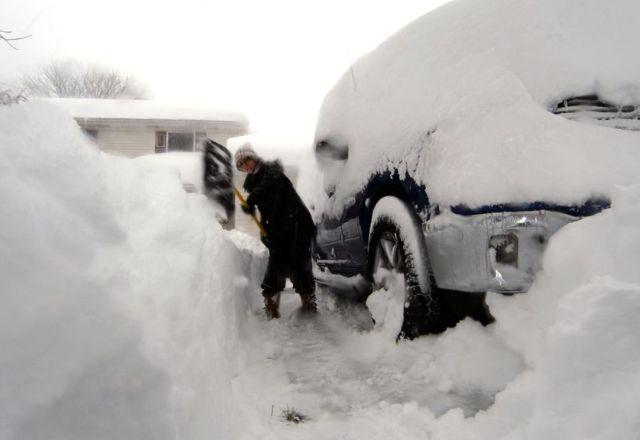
x,y
243,202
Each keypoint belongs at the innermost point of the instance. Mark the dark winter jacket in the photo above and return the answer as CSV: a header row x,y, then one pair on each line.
x,y
284,216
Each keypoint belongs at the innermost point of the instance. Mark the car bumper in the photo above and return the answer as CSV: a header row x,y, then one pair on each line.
x,y
498,252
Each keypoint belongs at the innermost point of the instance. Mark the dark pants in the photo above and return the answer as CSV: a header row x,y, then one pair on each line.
x,y
293,262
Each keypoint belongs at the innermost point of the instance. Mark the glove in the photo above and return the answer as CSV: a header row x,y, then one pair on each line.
x,y
248,209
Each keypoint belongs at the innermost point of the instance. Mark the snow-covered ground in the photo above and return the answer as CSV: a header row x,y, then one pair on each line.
x,y
128,313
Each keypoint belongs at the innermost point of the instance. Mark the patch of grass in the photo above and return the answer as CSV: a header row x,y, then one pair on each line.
x,y
292,415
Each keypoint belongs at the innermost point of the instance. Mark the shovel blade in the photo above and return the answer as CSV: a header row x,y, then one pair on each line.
x,y
218,176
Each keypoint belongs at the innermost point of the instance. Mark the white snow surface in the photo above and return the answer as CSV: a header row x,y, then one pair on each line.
x,y
128,313
387,305
188,165
142,109
461,99
122,298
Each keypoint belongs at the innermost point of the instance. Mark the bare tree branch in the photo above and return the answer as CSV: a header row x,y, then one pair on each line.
x,y
8,40
73,79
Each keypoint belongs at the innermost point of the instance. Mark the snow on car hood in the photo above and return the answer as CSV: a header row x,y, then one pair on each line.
x,y
462,96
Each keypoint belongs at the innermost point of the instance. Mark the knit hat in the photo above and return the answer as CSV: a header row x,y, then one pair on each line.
x,y
244,153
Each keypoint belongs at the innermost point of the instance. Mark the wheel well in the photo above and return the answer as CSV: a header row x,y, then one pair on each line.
x,y
386,185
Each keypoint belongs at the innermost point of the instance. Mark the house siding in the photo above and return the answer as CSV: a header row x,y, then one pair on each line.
x,y
128,142
136,140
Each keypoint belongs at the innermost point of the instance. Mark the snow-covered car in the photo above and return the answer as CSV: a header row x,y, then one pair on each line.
x,y
456,149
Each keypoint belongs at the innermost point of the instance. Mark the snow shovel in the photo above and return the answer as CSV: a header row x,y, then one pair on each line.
x,y
243,202
218,180
218,176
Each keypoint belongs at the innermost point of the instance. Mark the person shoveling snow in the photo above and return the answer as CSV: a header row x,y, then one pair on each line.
x,y
287,229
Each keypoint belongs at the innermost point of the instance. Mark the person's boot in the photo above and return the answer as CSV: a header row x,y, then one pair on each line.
x,y
309,303
482,314
271,307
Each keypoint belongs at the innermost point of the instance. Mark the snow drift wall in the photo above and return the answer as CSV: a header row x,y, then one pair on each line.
x,y
122,300
582,333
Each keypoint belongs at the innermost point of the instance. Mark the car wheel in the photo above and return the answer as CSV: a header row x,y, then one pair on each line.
x,y
396,245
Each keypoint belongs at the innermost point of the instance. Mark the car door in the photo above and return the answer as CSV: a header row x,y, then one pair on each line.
x,y
353,241
339,245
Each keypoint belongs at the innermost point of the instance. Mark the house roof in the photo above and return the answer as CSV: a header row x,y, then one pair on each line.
x,y
139,109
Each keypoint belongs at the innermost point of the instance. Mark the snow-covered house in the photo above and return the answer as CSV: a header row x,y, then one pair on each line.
x,y
134,128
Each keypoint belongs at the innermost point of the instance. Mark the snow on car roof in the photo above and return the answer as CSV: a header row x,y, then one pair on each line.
x,y
142,109
462,96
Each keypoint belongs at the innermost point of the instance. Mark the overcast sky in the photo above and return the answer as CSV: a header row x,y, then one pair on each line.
x,y
273,60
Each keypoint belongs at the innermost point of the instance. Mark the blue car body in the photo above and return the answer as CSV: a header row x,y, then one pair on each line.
x,y
341,245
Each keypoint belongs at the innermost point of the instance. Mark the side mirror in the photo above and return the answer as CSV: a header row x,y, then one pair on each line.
x,y
331,157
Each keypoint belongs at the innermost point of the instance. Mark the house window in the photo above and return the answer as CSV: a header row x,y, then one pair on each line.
x,y
180,142
174,141
161,141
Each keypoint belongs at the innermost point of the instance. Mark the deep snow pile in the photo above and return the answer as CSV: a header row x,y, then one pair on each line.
x,y
578,332
461,98
581,335
188,165
122,298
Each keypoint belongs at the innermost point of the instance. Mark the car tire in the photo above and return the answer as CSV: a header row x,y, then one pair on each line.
x,y
396,243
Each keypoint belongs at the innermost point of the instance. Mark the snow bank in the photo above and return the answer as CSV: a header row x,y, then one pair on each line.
x,y
122,299
188,165
582,333
460,98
